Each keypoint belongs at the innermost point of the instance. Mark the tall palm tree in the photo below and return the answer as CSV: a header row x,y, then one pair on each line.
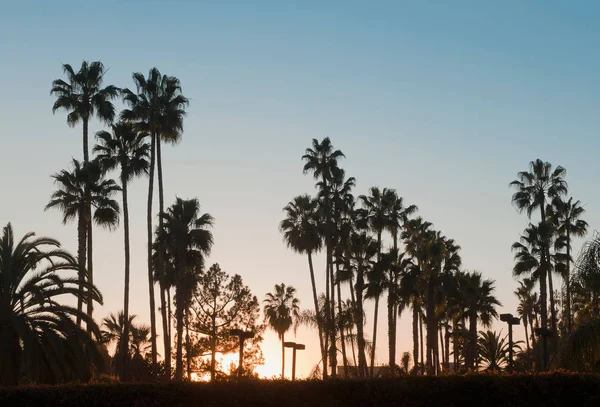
x,y
302,233
480,306
38,332
397,218
127,149
534,190
322,161
568,222
376,211
187,240
530,254
83,96
86,193
158,108
363,249
282,312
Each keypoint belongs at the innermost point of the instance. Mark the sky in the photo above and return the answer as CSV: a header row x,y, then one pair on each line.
x,y
443,101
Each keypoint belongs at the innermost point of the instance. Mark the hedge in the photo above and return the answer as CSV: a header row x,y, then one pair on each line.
x,y
557,389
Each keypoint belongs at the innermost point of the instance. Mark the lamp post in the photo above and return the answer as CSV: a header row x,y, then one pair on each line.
x,y
295,346
510,320
243,335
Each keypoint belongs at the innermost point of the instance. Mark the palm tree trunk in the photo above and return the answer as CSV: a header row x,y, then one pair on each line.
x,y
90,272
374,335
333,351
415,332
81,257
568,284
282,357
149,231
421,334
188,348
317,313
552,303
179,345
431,326
447,355
169,315
327,328
362,360
124,373
164,306
341,323
86,153
454,345
441,346
526,333
390,320
473,339
165,324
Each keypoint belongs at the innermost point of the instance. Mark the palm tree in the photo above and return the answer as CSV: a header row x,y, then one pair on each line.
x,y
534,188
530,253
397,218
113,330
376,212
301,232
187,241
322,161
83,96
479,304
38,334
125,148
158,108
282,312
580,350
79,191
526,304
567,214
363,249
493,349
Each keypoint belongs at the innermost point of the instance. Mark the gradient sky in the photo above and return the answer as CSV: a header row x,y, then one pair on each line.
x,y
444,101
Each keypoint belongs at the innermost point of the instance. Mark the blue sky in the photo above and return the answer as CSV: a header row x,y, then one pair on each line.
x,y
444,101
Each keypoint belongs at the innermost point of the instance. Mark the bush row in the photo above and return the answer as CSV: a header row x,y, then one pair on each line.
x,y
558,389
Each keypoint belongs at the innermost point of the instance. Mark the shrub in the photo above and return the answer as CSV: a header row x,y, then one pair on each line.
x,y
484,390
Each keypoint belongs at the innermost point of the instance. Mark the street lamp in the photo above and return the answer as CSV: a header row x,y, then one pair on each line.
x,y
243,335
510,320
295,346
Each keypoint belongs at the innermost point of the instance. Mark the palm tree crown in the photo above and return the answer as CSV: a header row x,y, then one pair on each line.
x,y
36,330
83,96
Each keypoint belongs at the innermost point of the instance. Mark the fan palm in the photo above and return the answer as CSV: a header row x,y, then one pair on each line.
x,y
480,306
494,349
529,256
282,312
127,149
158,108
37,333
397,218
534,189
187,240
113,330
79,191
322,161
376,212
83,96
301,232
363,249
526,304
568,222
